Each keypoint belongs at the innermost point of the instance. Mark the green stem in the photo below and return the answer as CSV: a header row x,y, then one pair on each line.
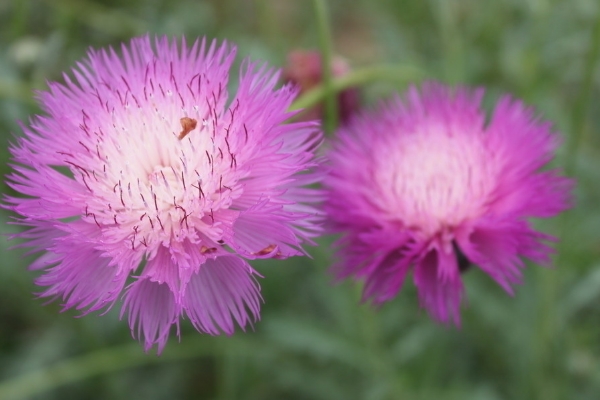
x,y
381,363
378,73
227,371
583,100
110,360
267,25
325,43
450,39
550,340
103,18
19,18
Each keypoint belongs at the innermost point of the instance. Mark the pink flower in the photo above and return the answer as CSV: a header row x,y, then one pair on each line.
x,y
144,178
426,185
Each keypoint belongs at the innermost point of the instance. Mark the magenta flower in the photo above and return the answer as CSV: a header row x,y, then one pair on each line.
x,y
426,185
143,173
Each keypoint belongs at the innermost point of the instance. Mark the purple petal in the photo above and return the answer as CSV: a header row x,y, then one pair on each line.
x,y
274,239
441,297
152,310
221,292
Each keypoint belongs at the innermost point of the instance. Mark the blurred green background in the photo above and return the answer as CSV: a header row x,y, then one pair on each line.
x,y
315,339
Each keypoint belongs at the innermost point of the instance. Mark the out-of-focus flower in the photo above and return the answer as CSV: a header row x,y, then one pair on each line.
x,y
142,173
304,68
426,185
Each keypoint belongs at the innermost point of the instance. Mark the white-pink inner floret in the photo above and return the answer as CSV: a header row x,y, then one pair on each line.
x,y
437,180
154,187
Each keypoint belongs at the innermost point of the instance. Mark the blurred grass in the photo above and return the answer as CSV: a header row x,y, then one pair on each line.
x,y
315,340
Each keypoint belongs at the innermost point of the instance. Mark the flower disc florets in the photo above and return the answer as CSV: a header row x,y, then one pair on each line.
x,y
143,166
425,185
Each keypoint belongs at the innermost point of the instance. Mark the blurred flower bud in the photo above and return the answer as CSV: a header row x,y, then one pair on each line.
x,y
304,69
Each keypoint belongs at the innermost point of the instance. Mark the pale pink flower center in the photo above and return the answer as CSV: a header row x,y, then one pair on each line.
x,y
437,180
149,186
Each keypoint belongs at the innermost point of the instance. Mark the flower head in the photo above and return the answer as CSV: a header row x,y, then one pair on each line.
x,y
143,177
426,185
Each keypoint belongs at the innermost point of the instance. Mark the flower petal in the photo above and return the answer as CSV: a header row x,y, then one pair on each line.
x,y
221,292
276,238
441,297
75,270
83,278
152,310
496,246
